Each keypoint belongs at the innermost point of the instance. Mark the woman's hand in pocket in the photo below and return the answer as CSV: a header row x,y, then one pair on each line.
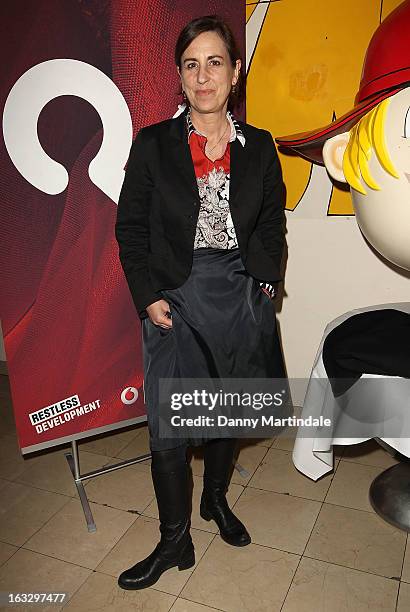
x,y
157,314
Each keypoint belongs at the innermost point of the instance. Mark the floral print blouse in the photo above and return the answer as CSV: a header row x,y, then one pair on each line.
x,y
215,227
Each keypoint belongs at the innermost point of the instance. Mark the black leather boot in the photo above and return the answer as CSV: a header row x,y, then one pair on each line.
x,y
218,456
175,547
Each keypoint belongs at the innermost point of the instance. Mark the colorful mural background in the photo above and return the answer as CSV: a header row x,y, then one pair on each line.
x,y
305,70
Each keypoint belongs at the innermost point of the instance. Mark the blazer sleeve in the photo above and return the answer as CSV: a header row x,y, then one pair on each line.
x,y
132,226
270,225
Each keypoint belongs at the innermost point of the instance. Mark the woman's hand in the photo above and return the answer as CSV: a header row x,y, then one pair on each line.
x,y
156,312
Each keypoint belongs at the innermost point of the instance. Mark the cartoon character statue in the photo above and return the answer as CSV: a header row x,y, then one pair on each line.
x,y
369,147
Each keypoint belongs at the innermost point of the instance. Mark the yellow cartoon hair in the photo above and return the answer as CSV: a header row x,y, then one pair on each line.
x,y
367,136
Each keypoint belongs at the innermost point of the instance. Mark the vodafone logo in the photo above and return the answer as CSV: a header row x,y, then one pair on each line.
x,y
129,395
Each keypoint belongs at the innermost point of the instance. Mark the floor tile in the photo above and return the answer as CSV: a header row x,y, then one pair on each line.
x,y
6,551
129,488
7,421
279,521
350,485
338,451
101,593
403,604
28,571
277,473
369,453
24,510
357,539
406,565
264,441
110,443
285,442
254,578
138,447
184,605
12,462
323,587
66,537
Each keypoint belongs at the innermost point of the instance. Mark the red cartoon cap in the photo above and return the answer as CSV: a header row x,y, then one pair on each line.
x,y
386,70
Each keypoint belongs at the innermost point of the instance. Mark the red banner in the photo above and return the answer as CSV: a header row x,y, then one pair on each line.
x,y
71,333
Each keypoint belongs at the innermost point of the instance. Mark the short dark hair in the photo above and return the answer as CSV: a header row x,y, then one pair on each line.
x,y
213,23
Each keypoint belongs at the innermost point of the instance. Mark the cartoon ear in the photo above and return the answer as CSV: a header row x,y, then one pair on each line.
x,y
333,151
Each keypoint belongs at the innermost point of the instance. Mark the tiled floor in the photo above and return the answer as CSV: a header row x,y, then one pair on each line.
x,y
316,546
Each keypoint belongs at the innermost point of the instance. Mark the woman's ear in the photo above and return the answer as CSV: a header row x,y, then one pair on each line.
x,y
333,151
237,69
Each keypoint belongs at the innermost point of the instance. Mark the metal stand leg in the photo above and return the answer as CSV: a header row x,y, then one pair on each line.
x,y
243,472
74,464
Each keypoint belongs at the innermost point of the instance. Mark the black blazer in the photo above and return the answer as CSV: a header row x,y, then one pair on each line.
x,y
159,205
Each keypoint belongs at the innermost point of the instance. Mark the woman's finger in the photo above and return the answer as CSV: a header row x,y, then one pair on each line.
x,y
165,323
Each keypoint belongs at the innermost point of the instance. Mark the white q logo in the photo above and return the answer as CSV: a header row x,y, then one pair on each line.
x,y
29,95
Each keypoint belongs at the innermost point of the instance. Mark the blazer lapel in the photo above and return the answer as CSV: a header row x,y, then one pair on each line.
x,y
239,160
180,153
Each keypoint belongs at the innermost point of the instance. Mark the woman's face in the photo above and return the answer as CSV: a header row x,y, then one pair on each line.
x,y
207,74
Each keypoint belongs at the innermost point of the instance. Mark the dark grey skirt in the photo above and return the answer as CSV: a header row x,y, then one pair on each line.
x,y
223,326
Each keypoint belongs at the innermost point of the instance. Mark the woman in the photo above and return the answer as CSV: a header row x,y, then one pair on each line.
x,y
202,196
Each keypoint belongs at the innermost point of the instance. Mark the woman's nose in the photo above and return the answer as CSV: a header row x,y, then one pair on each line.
x,y
202,74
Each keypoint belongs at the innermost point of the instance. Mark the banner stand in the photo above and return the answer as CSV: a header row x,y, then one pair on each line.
x,y
74,464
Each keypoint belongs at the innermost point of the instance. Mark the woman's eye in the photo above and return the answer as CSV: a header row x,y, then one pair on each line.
x,y
192,65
